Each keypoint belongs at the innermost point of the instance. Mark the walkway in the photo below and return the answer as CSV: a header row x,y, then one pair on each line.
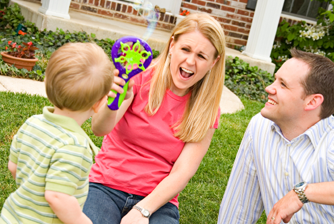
x,y
229,102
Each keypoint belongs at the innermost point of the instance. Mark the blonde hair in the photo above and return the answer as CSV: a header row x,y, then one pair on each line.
x,y
202,107
77,76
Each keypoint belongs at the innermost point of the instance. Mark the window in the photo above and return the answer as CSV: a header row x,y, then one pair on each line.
x,y
303,8
251,4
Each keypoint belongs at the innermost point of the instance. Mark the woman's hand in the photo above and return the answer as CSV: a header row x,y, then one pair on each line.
x,y
116,86
183,170
134,217
105,120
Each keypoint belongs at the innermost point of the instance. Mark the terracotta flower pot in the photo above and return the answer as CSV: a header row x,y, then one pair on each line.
x,y
19,62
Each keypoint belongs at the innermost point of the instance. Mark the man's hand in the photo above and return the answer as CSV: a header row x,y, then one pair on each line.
x,y
285,208
134,217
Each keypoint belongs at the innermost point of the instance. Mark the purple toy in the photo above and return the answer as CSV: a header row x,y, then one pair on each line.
x,y
130,55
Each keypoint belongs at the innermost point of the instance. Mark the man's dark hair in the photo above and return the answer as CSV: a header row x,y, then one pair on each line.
x,y
320,79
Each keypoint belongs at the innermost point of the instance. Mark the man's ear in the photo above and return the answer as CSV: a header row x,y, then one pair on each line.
x,y
314,101
99,104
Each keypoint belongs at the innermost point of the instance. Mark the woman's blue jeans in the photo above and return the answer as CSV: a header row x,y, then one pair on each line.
x,y
105,205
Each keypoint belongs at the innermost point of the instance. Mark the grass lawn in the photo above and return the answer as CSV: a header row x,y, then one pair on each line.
x,y
199,201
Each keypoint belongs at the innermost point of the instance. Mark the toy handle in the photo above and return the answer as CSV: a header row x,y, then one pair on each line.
x,y
129,60
115,103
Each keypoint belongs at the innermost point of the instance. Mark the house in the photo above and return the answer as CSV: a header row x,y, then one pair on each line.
x,y
235,16
243,25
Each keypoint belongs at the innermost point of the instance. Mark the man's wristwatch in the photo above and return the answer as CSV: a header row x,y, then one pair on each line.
x,y
143,211
299,189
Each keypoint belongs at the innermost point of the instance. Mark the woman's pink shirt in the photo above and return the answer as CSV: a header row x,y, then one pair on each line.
x,y
141,150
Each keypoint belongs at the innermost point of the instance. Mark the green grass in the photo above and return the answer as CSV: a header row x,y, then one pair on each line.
x,y
199,201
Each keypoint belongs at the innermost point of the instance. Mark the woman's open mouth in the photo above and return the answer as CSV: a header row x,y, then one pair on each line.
x,y
186,73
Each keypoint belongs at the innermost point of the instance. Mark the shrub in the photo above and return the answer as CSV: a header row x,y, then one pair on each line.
x,y
12,17
247,81
3,3
317,38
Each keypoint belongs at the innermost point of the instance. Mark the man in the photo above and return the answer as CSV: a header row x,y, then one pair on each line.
x,y
285,163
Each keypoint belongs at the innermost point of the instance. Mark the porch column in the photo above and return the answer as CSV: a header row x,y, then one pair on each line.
x,y
263,29
58,8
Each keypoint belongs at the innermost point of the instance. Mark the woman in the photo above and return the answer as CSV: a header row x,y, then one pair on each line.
x,y
164,128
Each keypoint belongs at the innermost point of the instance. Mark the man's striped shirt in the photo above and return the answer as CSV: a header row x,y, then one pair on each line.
x,y
268,166
53,153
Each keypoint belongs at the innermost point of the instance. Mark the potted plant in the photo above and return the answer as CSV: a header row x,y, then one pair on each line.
x,y
20,56
182,15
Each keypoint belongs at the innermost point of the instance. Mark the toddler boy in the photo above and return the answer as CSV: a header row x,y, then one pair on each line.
x,y
51,156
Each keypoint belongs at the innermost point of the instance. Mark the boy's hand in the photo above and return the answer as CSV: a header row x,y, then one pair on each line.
x,y
66,207
12,168
120,82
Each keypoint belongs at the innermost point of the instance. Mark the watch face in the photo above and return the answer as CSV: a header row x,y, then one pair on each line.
x,y
300,184
145,213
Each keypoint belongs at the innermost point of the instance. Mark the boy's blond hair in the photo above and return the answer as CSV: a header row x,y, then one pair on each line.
x,y
77,76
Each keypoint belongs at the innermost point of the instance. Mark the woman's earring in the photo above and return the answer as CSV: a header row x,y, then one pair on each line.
x,y
169,55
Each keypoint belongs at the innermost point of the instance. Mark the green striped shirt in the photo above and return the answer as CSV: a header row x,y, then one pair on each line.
x,y
53,153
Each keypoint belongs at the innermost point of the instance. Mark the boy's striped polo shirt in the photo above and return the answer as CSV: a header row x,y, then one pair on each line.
x,y
53,153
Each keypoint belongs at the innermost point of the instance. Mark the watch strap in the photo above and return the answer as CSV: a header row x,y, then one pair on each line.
x,y
300,191
145,213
